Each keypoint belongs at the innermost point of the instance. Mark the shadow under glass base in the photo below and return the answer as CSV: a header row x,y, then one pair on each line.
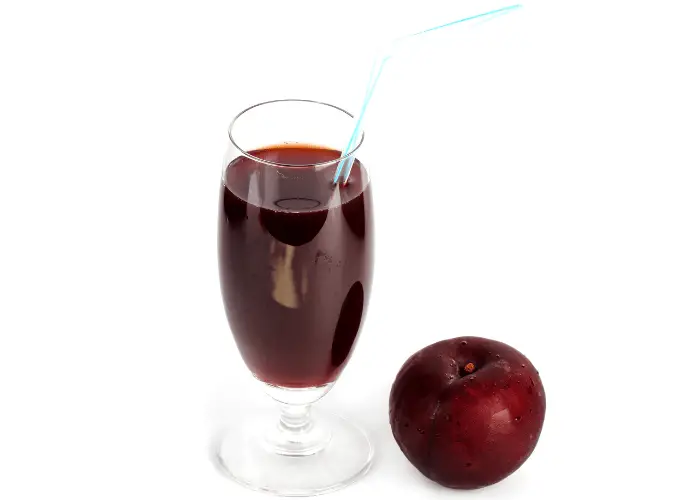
x,y
331,454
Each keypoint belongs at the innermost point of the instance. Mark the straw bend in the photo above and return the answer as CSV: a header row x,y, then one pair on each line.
x,y
345,166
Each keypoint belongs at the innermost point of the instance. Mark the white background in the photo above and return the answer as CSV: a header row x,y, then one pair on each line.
x,y
536,181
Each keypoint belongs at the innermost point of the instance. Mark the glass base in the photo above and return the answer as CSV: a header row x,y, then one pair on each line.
x,y
330,454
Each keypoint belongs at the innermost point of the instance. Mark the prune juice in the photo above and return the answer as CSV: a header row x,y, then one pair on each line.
x,y
295,262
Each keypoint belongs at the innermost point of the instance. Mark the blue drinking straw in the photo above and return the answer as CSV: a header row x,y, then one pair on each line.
x,y
376,71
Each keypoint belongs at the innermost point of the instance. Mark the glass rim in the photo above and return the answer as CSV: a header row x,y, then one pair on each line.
x,y
278,164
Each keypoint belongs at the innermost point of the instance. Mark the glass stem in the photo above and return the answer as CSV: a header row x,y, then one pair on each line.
x,y
295,420
296,432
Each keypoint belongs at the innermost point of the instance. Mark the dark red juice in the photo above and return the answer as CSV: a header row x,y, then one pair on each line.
x,y
295,262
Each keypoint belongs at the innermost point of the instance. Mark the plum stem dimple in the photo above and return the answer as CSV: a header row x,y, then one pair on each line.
x,y
467,369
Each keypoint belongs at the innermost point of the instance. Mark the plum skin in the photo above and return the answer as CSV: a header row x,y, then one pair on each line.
x,y
467,430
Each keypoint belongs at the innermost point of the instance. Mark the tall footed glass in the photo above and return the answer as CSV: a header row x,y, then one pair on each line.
x,y
295,266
